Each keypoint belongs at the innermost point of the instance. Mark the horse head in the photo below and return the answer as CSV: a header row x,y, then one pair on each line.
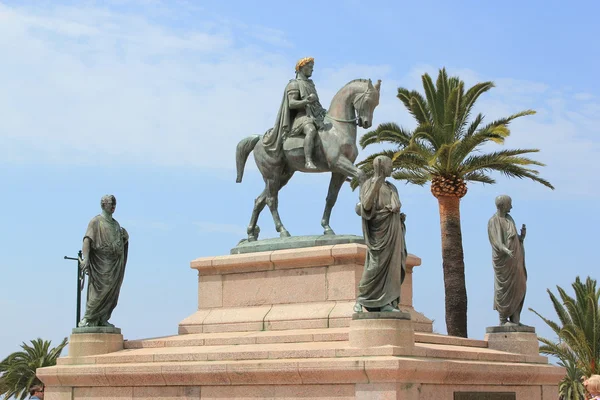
x,y
365,103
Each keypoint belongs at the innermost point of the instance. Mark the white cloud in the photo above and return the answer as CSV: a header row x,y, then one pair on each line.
x,y
94,85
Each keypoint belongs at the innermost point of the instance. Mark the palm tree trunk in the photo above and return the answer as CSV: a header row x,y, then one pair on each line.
x,y
454,266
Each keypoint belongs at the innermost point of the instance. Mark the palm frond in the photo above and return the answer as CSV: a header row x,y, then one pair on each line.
x,y
504,122
419,110
471,97
420,149
442,90
478,176
474,125
507,164
453,111
410,97
431,95
387,132
414,177
515,171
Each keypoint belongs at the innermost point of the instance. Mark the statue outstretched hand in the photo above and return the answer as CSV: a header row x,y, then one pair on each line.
x,y
523,232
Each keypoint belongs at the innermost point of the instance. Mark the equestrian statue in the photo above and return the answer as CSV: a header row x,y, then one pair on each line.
x,y
307,138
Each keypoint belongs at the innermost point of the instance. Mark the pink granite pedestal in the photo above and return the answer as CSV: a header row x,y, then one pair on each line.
x,y
278,325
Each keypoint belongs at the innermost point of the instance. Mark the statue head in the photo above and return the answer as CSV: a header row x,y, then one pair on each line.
x,y
382,165
108,203
365,104
503,203
305,66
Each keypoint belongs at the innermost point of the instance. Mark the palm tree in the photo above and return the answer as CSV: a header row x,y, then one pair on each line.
x,y
444,149
17,371
578,331
571,386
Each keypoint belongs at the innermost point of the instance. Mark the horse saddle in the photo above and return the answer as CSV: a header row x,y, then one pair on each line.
x,y
296,142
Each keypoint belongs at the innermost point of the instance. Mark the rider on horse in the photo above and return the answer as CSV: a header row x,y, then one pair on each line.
x,y
300,113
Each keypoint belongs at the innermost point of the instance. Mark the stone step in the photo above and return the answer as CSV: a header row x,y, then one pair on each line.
x,y
290,336
306,371
303,350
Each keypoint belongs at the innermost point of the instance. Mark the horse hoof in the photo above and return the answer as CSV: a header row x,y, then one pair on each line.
x,y
329,231
284,233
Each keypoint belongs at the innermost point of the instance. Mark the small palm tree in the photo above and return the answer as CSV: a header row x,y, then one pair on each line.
x,y
578,332
571,386
17,371
444,149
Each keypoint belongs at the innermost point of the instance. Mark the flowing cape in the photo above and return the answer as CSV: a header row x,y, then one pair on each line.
x,y
273,139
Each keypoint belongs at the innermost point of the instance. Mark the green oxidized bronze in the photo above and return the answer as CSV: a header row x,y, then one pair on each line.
x,y
508,258
307,138
105,247
384,231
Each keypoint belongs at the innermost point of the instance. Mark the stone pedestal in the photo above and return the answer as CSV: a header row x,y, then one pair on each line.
x,y
89,341
314,287
513,339
280,325
375,329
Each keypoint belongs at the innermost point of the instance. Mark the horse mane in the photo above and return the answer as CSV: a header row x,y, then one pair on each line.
x,y
357,80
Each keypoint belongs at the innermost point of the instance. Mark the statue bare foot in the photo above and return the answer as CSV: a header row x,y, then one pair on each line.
x,y
83,323
310,165
358,308
388,308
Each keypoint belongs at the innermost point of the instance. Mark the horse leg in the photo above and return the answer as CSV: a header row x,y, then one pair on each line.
x,y
337,180
259,204
273,186
347,168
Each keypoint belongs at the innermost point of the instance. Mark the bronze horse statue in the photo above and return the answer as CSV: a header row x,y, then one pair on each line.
x,y
335,151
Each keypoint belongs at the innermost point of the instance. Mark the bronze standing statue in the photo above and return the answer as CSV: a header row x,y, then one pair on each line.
x,y
105,247
384,231
508,256
328,145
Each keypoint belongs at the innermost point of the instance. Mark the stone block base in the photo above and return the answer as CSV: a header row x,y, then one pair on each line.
x,y
377,329
520,340
89,344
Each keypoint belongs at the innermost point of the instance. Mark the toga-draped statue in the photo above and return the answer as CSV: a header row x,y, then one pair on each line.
x,y
384,231
105,247
508,256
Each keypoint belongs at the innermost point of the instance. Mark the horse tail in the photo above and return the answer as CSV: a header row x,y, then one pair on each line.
x,y
242,151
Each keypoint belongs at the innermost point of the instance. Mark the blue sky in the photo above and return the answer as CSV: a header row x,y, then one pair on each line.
x,y
147,99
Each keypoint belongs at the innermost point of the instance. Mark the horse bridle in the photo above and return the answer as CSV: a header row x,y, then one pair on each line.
x,y
360,98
